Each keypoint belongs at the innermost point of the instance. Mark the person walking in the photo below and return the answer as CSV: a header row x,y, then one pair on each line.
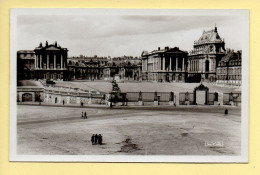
x,y
82,116
226,112
93,139
63,102
100,139
85,116
96,138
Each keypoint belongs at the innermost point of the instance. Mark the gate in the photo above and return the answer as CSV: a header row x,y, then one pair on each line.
x,y
26,97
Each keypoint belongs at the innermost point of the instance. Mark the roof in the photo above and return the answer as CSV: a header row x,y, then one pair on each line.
x,y
50,47
165,50
25,51
230,56
210,36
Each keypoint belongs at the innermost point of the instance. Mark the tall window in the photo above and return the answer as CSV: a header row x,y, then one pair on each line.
x,y
207,66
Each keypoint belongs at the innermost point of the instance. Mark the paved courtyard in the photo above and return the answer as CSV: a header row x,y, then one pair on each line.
x,y
106,86
47,130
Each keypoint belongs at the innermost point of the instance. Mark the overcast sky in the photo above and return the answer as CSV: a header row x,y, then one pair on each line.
x,y
122,35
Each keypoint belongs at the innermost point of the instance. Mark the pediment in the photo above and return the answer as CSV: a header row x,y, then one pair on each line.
x,y
52,48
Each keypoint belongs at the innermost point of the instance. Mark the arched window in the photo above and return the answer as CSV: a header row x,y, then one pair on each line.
x,y
207,66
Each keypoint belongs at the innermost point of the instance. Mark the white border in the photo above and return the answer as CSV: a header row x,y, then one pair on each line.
x,y
243,158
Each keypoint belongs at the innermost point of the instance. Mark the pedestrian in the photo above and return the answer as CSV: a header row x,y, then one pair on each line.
x,y
85,116
81,104
100,139
63,102
226,112
82,116
93,139
96,138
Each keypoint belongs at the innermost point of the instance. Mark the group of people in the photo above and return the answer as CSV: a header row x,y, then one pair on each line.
x,y
84,115
96,139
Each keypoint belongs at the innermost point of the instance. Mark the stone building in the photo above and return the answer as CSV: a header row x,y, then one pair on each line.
x,y
165,65
51,62
123,68
25,64
204,58
85,70
229,70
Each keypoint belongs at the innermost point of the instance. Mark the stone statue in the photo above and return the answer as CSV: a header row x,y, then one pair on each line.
x,y
115,86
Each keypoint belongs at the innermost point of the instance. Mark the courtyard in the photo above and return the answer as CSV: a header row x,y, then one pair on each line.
x,y
105,86
49,130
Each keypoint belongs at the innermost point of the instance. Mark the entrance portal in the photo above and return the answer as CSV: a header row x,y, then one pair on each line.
x,y
200,97
26,97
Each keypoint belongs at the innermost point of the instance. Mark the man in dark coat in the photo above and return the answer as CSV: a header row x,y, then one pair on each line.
x,y
100,139
96,138
85,115
93,139
226,112
82,116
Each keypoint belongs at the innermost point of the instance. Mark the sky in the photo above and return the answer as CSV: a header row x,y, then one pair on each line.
x,y
118,35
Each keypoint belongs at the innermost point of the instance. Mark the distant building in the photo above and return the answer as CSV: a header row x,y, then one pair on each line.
x,y
25,64
229,69
51,62
204,58
165,65
85,70
123,68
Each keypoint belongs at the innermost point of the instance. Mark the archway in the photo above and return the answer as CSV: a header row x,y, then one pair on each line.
x,y
201,95
26,97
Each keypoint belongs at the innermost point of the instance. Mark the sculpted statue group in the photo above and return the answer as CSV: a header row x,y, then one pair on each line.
x,y
115,86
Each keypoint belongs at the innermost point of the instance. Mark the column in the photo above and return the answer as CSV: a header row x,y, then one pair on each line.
x,y
183,64
153,63
176,67
160,63
55,62
61,62
163,63
170,64
41,61
36,60
48,62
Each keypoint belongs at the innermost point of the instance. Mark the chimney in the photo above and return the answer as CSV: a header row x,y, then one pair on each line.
x,y
159,48
46,43
55,43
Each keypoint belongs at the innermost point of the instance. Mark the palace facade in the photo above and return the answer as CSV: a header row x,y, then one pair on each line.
x,y
165,65
51,62
229,70
123,68
205,56
208,61
25,64
85,70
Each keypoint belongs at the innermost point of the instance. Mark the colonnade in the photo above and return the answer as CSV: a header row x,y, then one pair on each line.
x,y
194,65
39,62
176,64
